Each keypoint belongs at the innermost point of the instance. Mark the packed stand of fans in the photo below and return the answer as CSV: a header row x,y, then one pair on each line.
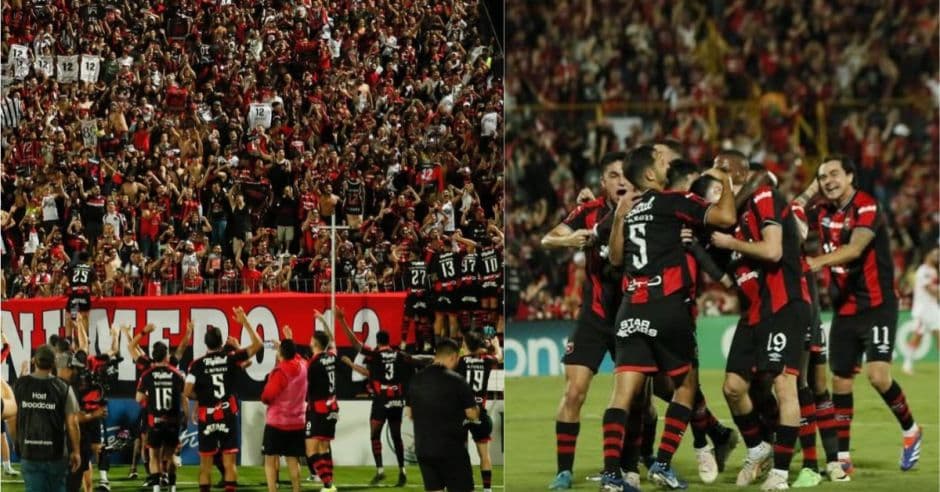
x,y
655,69
220,137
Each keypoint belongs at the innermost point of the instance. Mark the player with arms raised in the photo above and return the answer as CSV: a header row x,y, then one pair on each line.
x,y
322,407
211,382
161,388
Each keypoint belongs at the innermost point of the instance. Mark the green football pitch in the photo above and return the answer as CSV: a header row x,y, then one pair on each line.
x,y
876,437
252,478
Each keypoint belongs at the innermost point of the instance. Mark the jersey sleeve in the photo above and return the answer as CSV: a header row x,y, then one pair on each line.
x,y
867,214
238,356
576,219
768,206
689,208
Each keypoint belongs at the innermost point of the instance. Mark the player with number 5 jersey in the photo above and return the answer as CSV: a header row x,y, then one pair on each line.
x,y
655,329
211,382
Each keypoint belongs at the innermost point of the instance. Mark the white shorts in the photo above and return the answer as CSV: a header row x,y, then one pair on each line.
x,y
927,322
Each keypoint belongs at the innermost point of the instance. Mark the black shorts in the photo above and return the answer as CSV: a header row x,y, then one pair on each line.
x,y
446,302
78,303
483,431
277,442
771,346
468,297
163,435
321,426
218,433
870,333
92,432
447,472
386,409
658,336
416,305
591,339
489,289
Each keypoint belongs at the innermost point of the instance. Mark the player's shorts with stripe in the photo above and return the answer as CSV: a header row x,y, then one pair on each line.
x,y
489,289
592,338
446,302
163,435
78,303
321,426
870,333
773,345
218,432
658,336
468,297
416,305
483,431
386,409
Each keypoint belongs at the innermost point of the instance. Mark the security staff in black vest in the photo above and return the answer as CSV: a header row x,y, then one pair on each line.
x,y
439,403
47,414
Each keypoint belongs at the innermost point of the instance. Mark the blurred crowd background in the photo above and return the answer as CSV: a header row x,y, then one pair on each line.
x,y
785,82
216,139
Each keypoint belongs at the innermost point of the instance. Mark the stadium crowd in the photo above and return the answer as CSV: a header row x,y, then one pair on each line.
x,y
655,68
220,137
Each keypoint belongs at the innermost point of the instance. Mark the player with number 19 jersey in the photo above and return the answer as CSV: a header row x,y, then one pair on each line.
x,y
476,369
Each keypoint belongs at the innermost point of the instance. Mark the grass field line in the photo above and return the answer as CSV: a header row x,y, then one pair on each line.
x,y
128,486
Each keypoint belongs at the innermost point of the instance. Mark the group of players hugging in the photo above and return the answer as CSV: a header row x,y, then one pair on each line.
x,y
660,225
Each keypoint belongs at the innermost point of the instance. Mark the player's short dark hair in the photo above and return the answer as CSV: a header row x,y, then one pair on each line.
x,y
637,162
701,185
287,349
845,161
54,341
674,145
446,346
213,337
83,256
382,337
63,344
474,341
160,352
733,153
322,339
612,157
679,170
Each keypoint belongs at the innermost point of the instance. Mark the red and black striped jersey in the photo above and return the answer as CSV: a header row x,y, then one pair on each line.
x,y
163,386
213,376
386,371
476,368
599,293
491,266
868,281
321,382
655,261
764,287
444,270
